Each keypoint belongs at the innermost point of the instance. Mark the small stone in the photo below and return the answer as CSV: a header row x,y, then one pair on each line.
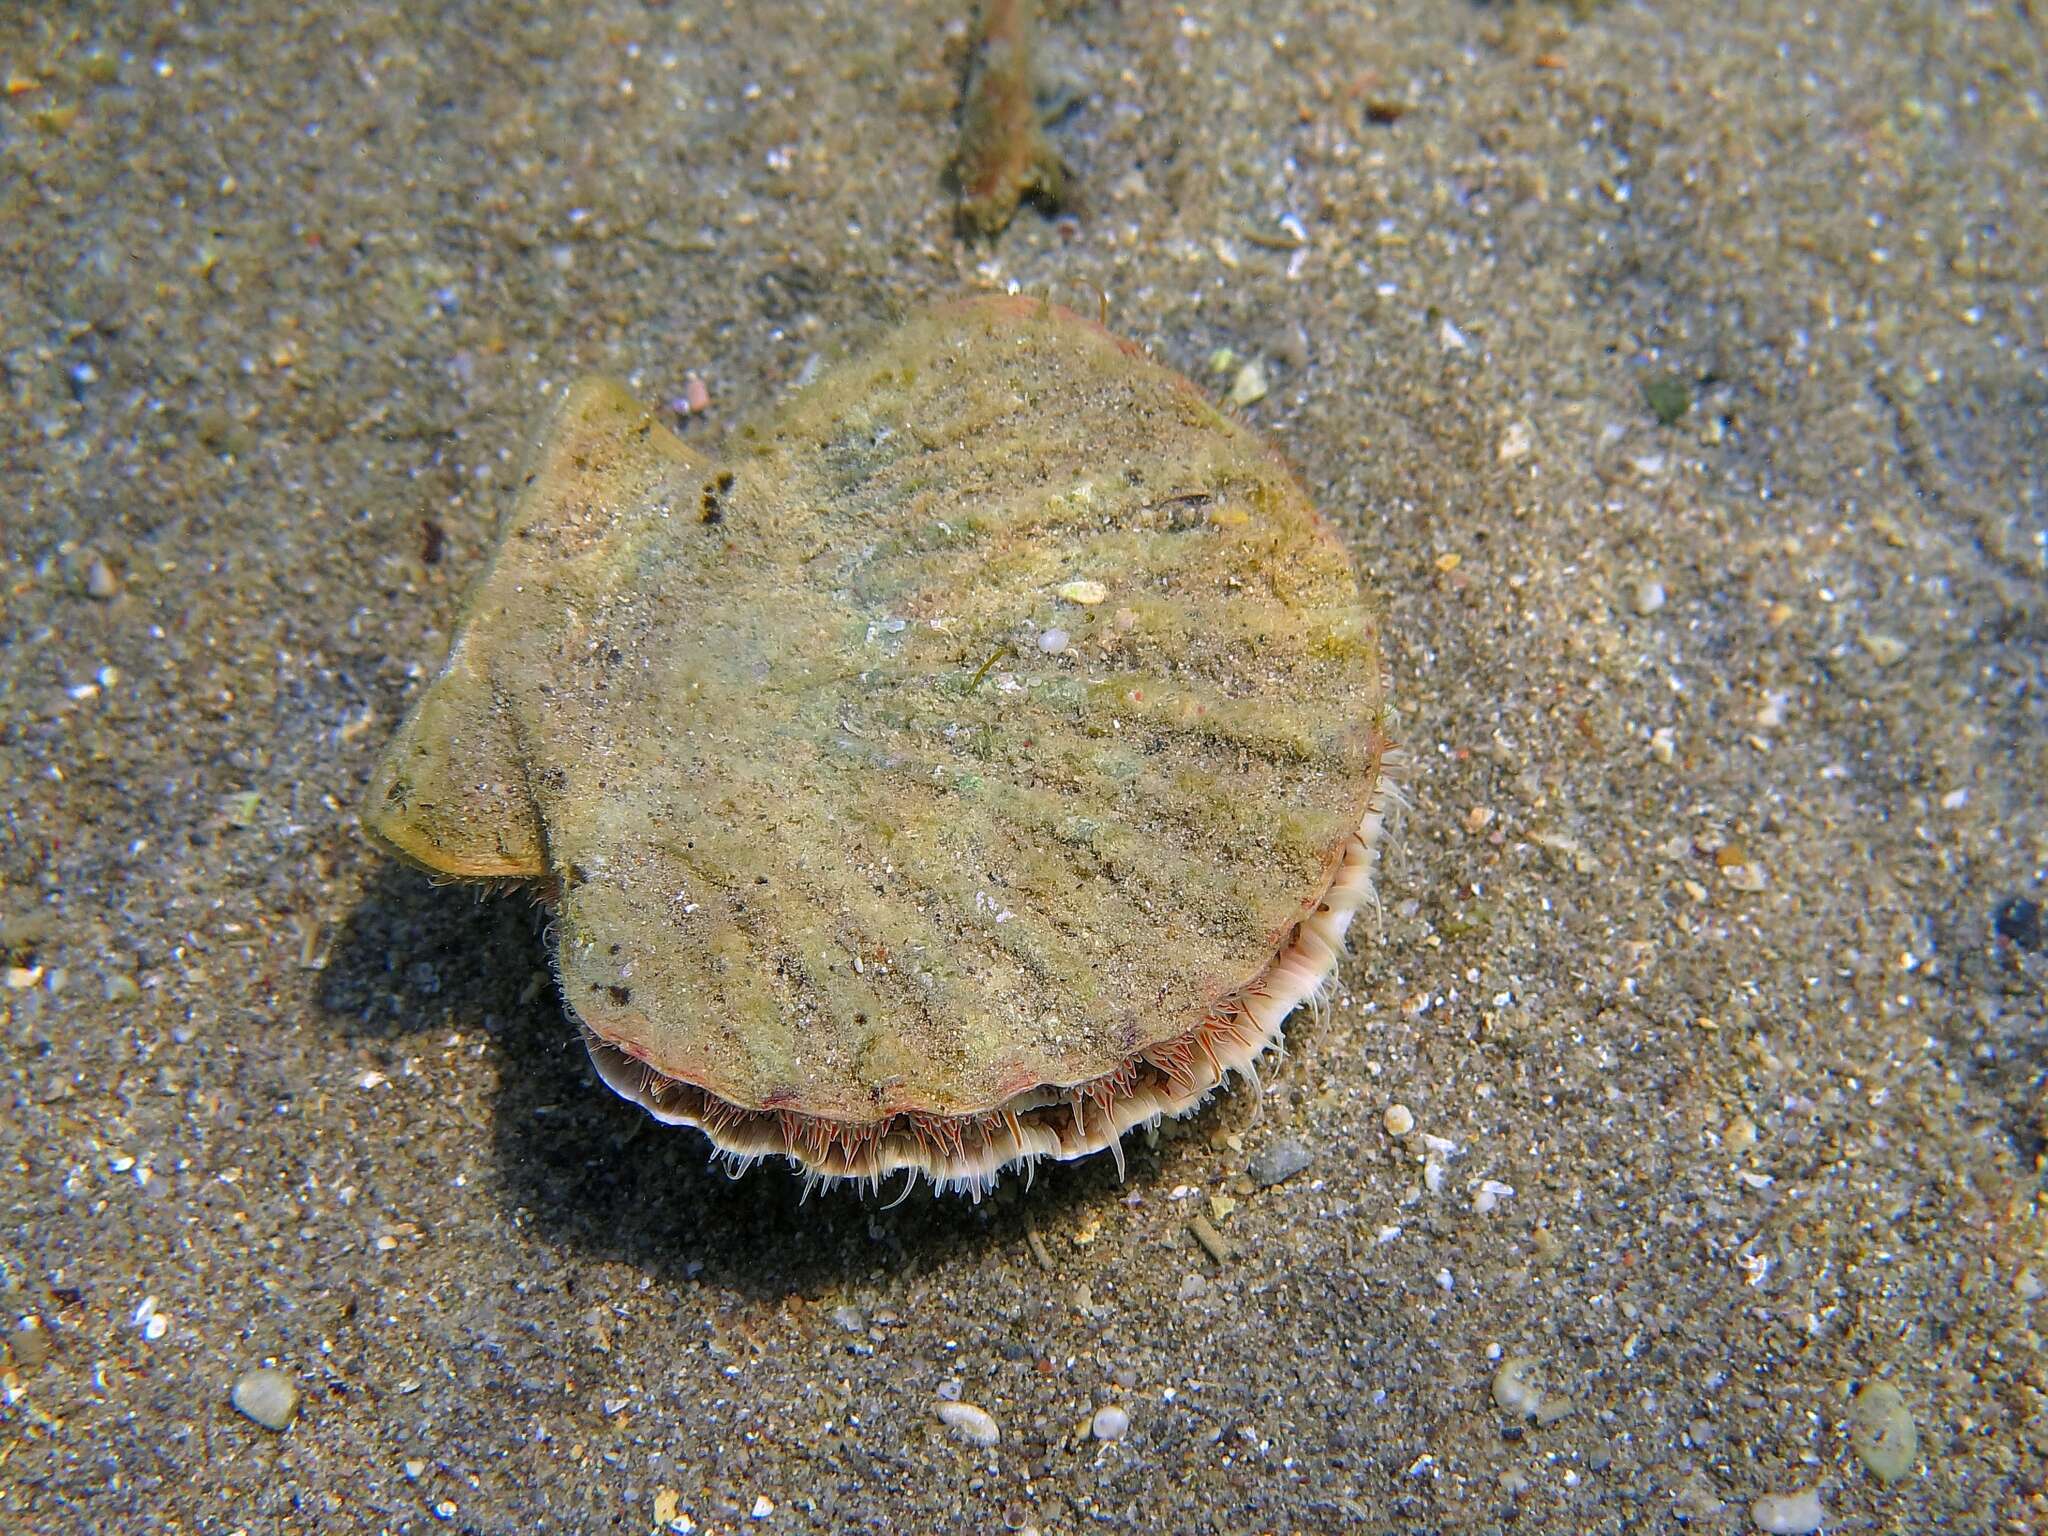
x,y
2018,921
1664,744
30,1344
1648,597
1667,397
1789,1514
1279,1161
268,1397
970,1423
850,1319
100,581
1881,1431
763,1508
1249,387
120,987
1086,593
1697,1498
1515,443
1192,1288
1053,641
415,1469
1512,1389
1110,1423
1745,876
1399,1120
1885,650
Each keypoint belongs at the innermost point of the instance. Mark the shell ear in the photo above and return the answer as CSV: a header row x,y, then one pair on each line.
x,y
451,791
603,452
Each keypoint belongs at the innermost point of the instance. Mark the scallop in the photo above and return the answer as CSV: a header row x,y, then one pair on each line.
x,y
982,756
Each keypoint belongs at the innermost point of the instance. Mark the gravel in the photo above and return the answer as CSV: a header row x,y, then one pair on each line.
x,y
268,1397
1279,1161
1789,1514
1882,1433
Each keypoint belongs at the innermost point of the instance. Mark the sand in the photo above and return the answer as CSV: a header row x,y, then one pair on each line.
x,y
1676,374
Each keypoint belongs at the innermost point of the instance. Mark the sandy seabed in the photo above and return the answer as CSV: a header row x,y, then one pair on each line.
x,y
1676,374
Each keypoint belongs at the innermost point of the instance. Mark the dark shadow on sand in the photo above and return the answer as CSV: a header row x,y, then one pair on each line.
x,y
595,1176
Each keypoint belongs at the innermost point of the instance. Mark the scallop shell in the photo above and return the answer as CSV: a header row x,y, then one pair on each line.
x,y
981,758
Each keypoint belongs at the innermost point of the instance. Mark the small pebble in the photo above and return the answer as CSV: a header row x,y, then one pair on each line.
x,y
1491,1193
1110,1423
268,1397
1514,1391
1249,387
1086,593
30,1344
2018,921
1279,1161
100,581
1789,1514
970,1423
763,1508
1649,597
1053,641
1399,1120
1697,1498
1885,650
1881,1431
850,1319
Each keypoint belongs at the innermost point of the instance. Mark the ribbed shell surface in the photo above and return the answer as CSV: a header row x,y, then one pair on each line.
x,y
985,716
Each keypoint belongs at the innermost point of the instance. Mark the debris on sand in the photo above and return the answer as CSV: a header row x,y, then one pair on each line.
x,y
1004,157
